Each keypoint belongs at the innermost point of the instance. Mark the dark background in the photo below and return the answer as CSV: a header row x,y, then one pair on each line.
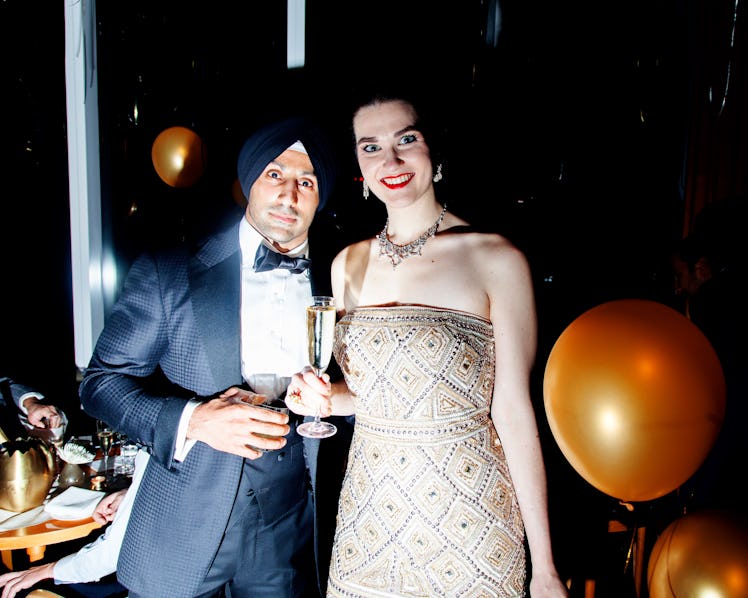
x,y
590,133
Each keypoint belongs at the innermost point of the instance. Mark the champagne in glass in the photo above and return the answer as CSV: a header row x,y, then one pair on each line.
x,y
320,327
105,440
105,434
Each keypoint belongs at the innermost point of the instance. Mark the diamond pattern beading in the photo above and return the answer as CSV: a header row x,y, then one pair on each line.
x,y
427,508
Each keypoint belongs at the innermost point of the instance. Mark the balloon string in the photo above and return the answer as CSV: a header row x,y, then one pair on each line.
x,y
634,529
630,551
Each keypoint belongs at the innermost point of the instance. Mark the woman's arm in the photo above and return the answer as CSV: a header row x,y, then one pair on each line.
x,y
306,392
512,308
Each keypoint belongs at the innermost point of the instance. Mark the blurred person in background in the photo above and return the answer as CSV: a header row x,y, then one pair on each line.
x,y
709,269
33,410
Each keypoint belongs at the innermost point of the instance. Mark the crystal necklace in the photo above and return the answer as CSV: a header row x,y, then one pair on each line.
x,y
397,253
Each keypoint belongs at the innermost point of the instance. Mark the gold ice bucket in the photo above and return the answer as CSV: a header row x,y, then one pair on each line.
x,y
27,472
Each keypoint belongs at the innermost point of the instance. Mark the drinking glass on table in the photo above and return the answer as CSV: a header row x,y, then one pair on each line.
x,y
57,436
320,328
57,439
105,434
124,463
52,435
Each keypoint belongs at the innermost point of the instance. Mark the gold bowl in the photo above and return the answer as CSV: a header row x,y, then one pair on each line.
x,y
27,472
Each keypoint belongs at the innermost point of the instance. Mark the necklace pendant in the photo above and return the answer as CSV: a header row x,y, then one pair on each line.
x,y
397,253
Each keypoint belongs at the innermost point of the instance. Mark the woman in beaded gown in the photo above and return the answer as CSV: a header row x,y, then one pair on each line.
x,y
436,340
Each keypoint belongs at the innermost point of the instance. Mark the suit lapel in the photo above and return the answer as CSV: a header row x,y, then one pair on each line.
x,y
215,289
215,286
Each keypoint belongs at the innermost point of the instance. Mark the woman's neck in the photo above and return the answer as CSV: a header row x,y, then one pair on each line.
x,y
407,224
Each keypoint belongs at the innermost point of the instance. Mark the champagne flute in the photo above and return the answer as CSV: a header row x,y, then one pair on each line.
x,y
105,434
320,328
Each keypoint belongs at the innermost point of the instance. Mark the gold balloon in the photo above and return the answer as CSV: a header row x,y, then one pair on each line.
x,y
702,554
178,155
657,566
635,397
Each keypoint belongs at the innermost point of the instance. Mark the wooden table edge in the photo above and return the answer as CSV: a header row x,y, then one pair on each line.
x,y
35,538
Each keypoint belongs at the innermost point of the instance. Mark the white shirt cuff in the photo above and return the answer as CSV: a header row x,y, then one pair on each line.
x,y
182,445
28,395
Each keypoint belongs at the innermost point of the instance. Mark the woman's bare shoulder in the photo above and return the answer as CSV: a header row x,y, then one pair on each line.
x,y
354,251
481,244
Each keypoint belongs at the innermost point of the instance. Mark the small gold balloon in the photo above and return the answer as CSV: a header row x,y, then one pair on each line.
x,y
179,156
704,554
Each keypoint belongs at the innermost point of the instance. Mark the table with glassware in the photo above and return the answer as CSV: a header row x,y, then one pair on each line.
x,y
100,473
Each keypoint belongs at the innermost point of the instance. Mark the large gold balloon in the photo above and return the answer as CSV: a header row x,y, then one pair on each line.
x,y
635,398
178,155
703,554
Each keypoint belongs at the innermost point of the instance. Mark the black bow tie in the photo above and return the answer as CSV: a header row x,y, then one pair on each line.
x,y
267,259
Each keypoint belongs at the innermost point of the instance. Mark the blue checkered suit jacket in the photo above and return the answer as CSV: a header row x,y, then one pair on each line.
x,y
174,334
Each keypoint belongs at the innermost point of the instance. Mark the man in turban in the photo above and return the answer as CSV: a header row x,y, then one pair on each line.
x,y
227,503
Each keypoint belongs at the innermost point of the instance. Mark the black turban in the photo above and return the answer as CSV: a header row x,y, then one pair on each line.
x,y
270,141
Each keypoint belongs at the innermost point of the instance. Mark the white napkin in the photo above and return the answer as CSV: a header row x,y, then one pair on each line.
x,y
18,520
74,503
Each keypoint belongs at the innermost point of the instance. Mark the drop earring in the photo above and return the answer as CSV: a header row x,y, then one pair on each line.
x,y
438,176
366,191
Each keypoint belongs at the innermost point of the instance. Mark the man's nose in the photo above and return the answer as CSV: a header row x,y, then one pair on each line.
x,y
289,192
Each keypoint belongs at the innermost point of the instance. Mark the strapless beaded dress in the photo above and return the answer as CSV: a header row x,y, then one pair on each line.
x,y
427,506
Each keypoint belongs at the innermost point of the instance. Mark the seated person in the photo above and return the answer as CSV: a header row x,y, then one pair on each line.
x,y
31,404
96,559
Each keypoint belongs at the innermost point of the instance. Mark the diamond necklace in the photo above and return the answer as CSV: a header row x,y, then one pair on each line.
x,y
397,253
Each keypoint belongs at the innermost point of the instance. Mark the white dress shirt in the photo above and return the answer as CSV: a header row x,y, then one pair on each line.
x,y
273,313
273,326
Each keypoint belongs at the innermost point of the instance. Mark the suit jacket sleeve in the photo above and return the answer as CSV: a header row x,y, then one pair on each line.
x,y
121,384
